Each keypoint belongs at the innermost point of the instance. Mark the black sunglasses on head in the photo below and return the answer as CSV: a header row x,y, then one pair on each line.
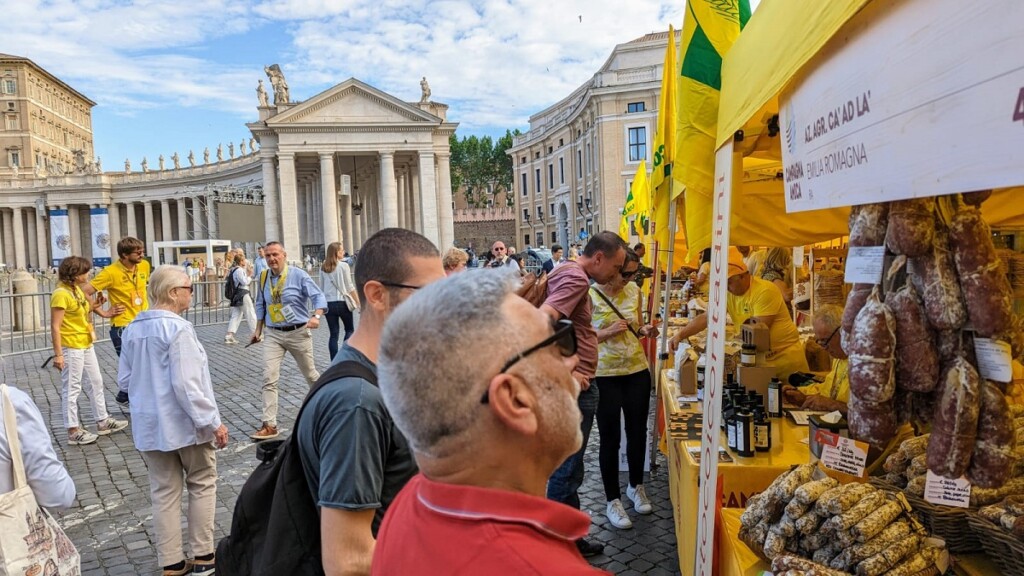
x,y
564,337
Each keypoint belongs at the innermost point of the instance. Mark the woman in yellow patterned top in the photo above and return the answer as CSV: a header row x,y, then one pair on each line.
x,y
73,353
624,379
834,392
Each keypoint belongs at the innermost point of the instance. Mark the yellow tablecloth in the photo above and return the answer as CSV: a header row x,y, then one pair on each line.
x,y
741,478
734,557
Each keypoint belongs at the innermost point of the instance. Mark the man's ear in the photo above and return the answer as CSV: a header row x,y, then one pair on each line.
x,y
377,295
513,403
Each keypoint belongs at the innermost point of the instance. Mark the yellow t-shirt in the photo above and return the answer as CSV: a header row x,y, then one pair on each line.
x,y
621,354
836,385
124,288
764,299
74,328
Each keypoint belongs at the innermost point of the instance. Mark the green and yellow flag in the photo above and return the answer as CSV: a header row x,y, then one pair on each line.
x,y
709,29
638,203
665,130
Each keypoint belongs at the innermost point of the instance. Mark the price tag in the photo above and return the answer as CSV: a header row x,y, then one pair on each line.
x,y
995,361
940,490
864,265
842,454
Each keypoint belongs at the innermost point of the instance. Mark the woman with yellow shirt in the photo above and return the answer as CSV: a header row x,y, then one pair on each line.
x,y
74,356
834,392
624,379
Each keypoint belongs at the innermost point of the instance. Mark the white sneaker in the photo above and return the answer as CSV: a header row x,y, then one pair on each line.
x,y
230,339
641,503
81,437
617,515
110,425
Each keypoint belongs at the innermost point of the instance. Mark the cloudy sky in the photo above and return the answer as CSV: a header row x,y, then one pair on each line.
x,y
172,76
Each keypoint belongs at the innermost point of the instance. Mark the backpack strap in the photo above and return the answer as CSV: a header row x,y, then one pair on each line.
x,y
345,369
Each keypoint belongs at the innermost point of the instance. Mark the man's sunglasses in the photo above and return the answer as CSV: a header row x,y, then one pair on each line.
x,y
564,337
823,342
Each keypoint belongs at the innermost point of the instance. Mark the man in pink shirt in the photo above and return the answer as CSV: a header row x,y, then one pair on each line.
x,y
569,297
486,431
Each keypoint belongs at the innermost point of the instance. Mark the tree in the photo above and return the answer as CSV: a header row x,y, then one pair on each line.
x,y
481,168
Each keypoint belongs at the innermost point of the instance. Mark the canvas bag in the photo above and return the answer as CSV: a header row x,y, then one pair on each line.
x,y
31,541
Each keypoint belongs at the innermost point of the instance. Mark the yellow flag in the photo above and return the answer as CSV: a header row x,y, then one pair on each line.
x,y
709,29
637,202
665,130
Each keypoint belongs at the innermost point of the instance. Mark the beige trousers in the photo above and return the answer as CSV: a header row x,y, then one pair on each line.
x,y
299,343
169,472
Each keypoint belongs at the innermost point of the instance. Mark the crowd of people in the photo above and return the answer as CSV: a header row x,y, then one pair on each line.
x,y
444,450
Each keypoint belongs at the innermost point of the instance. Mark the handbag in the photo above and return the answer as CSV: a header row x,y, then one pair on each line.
x,y
350,303
31,541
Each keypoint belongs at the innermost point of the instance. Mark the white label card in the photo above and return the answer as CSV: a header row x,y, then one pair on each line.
x,y
995,360
843,454
798,255
864,265
941,490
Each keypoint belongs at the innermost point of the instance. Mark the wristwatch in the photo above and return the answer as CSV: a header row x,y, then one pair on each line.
x,y
317,315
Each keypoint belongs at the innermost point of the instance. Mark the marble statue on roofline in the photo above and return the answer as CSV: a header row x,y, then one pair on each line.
x,y
231,149
220,153
252,145
191,159
160,160
424,90
261,94
241,147
176,160
145,165
206,155
278,83
127,165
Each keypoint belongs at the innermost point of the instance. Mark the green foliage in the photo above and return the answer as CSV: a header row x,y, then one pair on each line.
x,y
481,168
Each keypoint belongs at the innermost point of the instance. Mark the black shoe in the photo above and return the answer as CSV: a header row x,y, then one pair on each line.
x,y
121,398
589,548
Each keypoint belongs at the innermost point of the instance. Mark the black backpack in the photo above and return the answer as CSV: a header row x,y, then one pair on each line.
x,y
229,285
276,526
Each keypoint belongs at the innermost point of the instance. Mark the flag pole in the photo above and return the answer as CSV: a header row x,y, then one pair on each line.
x,y
662,352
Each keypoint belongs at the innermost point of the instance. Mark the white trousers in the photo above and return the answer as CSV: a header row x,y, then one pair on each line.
x,y
81,369
236,315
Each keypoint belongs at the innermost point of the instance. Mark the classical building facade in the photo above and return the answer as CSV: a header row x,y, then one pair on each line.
x,y
338,166
574,166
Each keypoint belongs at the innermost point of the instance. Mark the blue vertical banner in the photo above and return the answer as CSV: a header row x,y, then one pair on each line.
x,y
100,221
60,236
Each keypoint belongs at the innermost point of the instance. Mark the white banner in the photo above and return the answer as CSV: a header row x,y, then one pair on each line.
x,y
726,166
100,220
913,98
60,236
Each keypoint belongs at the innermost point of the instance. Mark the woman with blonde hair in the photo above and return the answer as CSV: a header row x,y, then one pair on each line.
x,y
340,291
454,260
177,424
73,353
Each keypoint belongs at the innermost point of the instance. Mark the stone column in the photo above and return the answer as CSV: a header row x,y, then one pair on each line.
x,y
211,218
357,225
75,229
317,208
42,240
182,219
428,198
414,204
446,217
133,228
271,206
8,237
165,229
147,210
400,197
20,250
114,216
289,205
346,222
388,190
33,247
197,218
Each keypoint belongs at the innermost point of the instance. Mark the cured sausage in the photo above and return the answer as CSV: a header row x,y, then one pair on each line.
x,y
934,276
917,361
992,460
955,422
872,349
911,227
986,289
872,422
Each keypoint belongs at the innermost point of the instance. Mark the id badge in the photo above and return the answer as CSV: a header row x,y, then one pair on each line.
x,y
136,299
276,313
290,315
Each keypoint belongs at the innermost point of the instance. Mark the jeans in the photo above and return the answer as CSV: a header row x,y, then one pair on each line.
x,y
565,482
627,397
337,310
115,338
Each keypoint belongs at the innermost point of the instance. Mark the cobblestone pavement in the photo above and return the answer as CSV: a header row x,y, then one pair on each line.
x,y
111,524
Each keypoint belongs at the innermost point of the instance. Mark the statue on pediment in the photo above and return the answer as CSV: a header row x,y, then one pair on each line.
x,y
99,165
206,155
278,83
127,166
424,90
176,160
191,159
220,153
145,165
231,149
160,160
79,161
252,145
261,94
241,147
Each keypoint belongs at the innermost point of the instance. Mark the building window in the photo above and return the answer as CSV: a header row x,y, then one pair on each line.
x,y
579,163
554,237
634,107
537,180
590,159
561,142
540,238
550,149
561,169
551,176
526,240
536,155
10,85
552,209
637,144
526,214
540,212
15,158
524,183
12,122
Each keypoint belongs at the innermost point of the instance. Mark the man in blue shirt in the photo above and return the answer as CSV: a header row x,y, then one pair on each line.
x,y
259,264
282,305
354,456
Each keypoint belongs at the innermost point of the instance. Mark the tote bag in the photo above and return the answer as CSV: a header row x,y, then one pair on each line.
x,y
31,542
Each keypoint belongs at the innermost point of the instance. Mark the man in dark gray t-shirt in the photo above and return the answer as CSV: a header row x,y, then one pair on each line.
x,y
354,457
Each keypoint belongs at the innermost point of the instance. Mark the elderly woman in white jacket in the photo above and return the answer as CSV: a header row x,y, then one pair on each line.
x,y
176,422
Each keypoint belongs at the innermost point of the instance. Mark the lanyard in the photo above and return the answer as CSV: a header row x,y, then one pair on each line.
x,y
277,287
134,278
834,391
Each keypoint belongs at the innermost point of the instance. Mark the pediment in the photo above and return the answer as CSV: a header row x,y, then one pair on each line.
x,y
352,102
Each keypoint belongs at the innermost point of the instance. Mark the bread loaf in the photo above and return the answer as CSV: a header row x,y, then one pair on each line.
x,y
955,422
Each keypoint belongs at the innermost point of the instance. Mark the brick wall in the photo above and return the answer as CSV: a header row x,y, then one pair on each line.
x,y
482,234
